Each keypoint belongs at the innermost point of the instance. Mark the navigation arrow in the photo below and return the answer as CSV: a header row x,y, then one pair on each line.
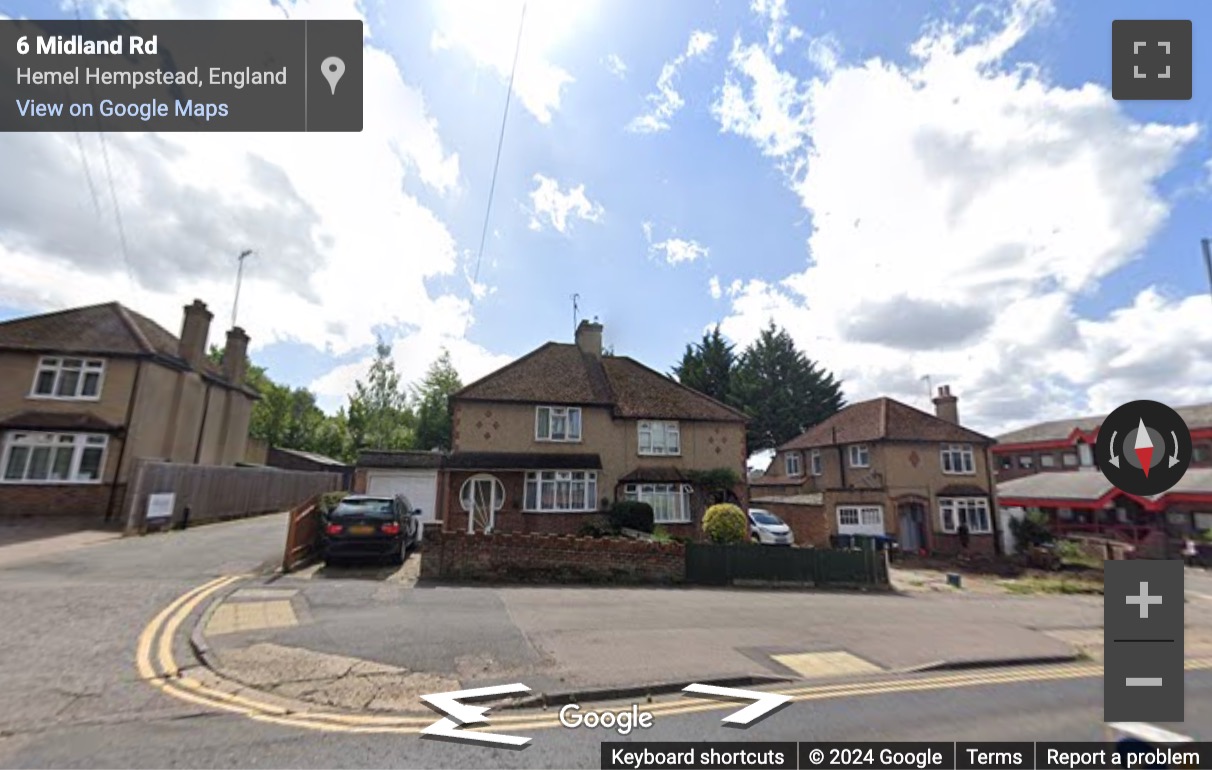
x,y
1114,457
1173,459
763,702
458,714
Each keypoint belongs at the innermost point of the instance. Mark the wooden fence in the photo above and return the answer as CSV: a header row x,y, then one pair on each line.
x,y
205,493
710,564
302,534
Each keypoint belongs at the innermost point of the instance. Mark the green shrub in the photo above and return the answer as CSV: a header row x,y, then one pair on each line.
x,y
661,535
725,523
329,500
1030,531
1206,535
599,527
631,514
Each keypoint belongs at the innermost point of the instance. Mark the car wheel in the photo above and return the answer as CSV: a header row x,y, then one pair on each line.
x,y
755,539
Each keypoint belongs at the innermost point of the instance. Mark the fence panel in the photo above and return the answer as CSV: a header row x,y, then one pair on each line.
x,y
710,564
302,534
214,493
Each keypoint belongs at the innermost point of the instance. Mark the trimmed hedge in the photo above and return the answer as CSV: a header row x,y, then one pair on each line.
x,y
632,514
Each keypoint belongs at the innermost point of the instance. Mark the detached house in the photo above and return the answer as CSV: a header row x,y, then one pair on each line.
x,y
86,392
881,467
547,442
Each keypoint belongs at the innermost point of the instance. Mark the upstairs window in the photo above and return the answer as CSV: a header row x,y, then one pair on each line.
x,y
957,459
557,423
794,466
860,456
69,378
659,438
815,461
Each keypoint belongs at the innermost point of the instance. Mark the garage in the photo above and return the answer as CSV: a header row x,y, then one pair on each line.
x,y
412,474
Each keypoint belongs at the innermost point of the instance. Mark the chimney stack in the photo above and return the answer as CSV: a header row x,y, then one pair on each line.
x,y
235,356
195,328
589,338
945,405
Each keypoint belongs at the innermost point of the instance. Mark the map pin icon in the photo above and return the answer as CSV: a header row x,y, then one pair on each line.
x,y
333,68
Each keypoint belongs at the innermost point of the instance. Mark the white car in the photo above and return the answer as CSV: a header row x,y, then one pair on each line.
x,y
768,529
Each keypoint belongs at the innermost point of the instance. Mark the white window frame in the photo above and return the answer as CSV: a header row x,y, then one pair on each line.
x,y
54,443
670,434
793,463
951,508
862,517
571,416
815,464
860,456
670,503
57,368
957,459
539,482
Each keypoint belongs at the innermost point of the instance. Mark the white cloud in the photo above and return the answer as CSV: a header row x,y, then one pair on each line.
x,y
673,250
487,31
960,207
774,12
324,212
552,208
665,102
616,65
714,287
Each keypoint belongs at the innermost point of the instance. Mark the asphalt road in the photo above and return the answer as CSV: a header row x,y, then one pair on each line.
x,y
71,696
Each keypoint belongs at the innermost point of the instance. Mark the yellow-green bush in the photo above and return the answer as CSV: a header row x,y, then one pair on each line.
x,y
725,523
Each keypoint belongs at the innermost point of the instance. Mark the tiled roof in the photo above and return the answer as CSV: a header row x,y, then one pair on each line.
x,y
1195,415
656,475
368,458
962,490
110,329
1069,485
505,461
58,421
314,457
882,419
559,373
816,500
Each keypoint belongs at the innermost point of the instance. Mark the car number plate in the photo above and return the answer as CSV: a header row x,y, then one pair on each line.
x,y
361,529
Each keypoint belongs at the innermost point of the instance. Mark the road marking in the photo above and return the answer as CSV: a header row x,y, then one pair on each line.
x,y
170,681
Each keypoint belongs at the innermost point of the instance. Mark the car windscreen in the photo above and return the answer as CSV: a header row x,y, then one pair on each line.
x,y
762,517
376,508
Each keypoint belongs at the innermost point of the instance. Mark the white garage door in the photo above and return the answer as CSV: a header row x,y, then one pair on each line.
x,y
420,487
860,520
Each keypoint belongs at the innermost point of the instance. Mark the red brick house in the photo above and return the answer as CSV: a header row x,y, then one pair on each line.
x,y
546,443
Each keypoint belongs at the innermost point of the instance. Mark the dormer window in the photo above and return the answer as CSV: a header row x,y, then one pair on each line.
x,y
68,378
557,423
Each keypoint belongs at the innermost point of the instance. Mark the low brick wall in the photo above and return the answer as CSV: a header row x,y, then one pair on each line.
x,y
536,558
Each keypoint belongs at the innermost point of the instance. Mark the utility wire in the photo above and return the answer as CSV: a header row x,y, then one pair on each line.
x,y
513,70
113,193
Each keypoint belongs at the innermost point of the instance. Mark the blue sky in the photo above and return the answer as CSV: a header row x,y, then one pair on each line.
x,y
914,189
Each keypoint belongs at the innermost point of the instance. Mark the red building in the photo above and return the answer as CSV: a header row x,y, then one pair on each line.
x,y
1050,468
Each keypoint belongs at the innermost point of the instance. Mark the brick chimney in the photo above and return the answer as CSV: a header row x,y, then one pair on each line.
x,y
945,405
235,356
195,328
589,338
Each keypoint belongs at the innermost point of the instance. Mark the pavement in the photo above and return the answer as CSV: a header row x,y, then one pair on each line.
x,y
356,639
106,674
28,539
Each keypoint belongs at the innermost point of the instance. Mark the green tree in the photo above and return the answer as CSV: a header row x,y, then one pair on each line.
x,y
432,404
781,390
379,416
707,366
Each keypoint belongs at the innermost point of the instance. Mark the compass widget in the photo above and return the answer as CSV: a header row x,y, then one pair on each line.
x,y
1143,448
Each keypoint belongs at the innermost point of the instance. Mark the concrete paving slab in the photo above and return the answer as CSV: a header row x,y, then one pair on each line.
x,y
814,665
261,594
233,617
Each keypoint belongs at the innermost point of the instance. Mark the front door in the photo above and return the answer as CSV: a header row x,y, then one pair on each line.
x,y
912,527
482,496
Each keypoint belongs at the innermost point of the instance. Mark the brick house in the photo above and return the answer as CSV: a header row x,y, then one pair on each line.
x,y
881,467
548,441
86,392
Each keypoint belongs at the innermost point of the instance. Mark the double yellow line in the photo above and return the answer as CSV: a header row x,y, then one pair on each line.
x,y
163,672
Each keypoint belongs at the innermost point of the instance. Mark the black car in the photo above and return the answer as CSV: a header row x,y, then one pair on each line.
x,y
361,526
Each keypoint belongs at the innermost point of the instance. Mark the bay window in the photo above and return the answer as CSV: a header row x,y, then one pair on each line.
x,y
34,458
973,511
670,502
561,491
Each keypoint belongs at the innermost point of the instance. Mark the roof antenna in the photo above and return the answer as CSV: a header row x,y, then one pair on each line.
x,y
929,387
575,311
